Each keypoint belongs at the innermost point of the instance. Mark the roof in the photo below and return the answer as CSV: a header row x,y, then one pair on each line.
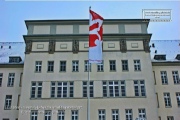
x,y
8,49
170,48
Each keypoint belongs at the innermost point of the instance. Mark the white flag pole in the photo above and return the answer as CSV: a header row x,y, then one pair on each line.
x,y
88,101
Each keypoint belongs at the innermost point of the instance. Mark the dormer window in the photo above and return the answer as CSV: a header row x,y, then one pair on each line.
x,y
160,57
178,57
15,59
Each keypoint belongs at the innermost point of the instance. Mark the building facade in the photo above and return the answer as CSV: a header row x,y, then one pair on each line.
x,y
49,81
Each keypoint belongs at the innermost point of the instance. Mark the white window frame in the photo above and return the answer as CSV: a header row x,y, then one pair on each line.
x,y
47,115
74,114
85,87
142,113
75,66
8,101
178,98
1,77
37,88
124,65
102,114
176,78
11,78
115,114
61,115
62,66
112,65
140,87
87,66
38,66
129,114
100,67
164,77
50,66
34,115
167,99
137,65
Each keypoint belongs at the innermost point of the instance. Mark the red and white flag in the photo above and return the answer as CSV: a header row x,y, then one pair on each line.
x,y
95,37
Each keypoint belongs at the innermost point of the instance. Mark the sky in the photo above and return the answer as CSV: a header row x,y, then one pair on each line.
x,y
13,13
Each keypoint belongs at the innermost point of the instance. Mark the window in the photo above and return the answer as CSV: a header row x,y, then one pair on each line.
x,y
101,114
1,76
50,66
139,88
75,66
62,89
167,99
137,65
38,66
74,114
36,89
100,67
62,66
85,87
8,102
47,115
170,118
164,77
115,115
176,77
112,64
61,115
124,65
178,99
129,114
11,79
142,113
5,119
34,114
86,64
114,88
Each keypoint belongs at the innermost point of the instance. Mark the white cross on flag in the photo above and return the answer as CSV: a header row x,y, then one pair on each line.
x,y
95,37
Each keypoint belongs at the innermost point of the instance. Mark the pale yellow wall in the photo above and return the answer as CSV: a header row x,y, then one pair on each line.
x,y
170,88
63,46
110,29
134,45
83,46
41,29
111,45
14,91
64,29
129,102
40,46
133,28
83,29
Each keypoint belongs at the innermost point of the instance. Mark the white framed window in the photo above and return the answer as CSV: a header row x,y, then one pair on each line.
x,y
34,114
50,66
47,115
137,65
124,65
170,118
36,89
74,114
75,66
129,115
87,66
62,66
1,77
176,77
11,79
139,88
142,113
112,65
164,77
38,66
100,67
8,102
115,114
61,115
85,87
178,98
114,88
102,114
62,89
167,99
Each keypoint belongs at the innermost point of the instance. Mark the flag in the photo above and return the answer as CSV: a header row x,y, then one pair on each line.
x,y
95,37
